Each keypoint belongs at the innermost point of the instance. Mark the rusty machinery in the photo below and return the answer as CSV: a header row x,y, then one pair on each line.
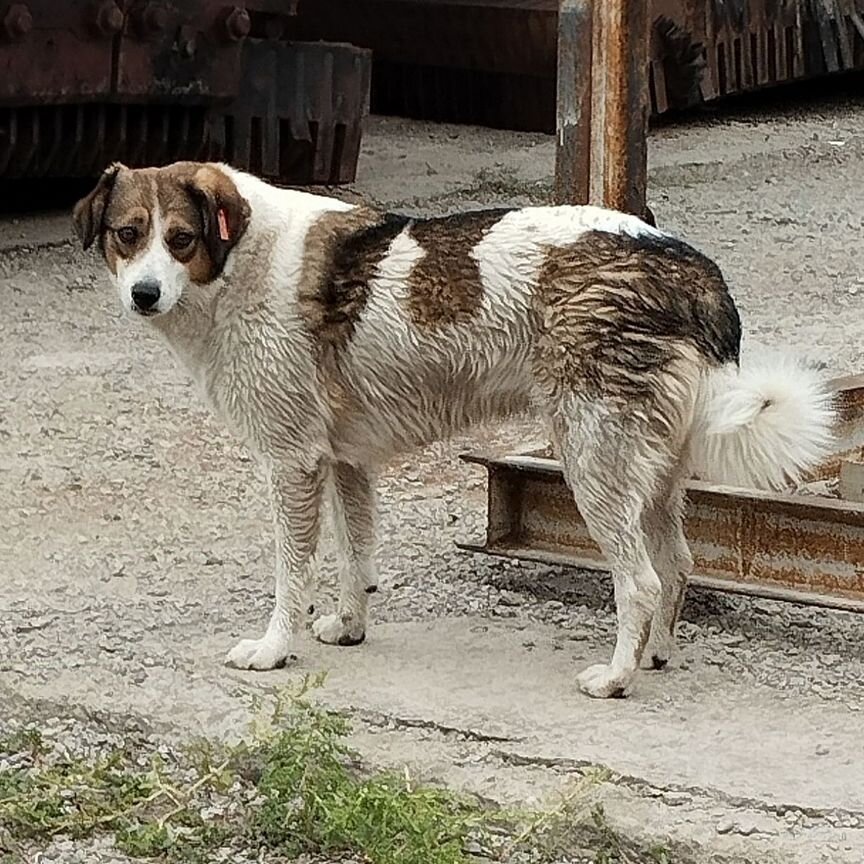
x,y
86,82
493,62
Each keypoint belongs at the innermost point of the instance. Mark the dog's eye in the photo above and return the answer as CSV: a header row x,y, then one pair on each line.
x,y
181,240
127,235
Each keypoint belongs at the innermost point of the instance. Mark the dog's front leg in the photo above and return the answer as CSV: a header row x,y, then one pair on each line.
x,y
354,518
296,497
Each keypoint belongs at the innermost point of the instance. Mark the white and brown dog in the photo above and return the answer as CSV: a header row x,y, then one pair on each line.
x,y
329,337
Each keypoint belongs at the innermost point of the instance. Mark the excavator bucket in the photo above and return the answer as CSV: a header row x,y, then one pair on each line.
x,y
87,82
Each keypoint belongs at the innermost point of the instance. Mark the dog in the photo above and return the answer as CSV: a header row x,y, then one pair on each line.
x,y
330,336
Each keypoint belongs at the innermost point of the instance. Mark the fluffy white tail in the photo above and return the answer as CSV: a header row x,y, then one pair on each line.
x,y
762,426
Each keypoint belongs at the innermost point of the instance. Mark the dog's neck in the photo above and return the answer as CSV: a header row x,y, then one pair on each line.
x,y
187,329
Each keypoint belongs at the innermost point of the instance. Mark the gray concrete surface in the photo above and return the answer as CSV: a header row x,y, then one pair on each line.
x,y
135,541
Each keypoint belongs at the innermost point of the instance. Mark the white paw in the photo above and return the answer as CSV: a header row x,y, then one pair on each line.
x,y
600,682
333,630
260,654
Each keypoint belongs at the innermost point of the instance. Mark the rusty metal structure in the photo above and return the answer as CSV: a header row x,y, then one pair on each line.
x,y
85,82
493,62
808,548
602,105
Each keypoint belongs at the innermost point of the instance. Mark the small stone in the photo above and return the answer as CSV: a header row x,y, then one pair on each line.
x,y
725,826
676,799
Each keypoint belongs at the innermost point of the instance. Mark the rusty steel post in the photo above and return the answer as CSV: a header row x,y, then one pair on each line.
x,y
624,72
602,108
573,121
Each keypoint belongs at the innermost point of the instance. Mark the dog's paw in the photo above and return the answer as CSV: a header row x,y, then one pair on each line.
x,y
259,654
601,682
334,630
657,653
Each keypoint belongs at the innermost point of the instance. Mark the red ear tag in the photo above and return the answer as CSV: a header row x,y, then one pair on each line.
x,y
222,219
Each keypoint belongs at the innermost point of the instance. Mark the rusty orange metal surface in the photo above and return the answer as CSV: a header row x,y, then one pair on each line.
x,y
602,105
801,547
85,82
622,103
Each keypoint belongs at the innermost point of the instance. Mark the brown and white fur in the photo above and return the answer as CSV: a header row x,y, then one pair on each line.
x,y
329,337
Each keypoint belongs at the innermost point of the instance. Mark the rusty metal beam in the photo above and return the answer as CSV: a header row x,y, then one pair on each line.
x,y
802,548
602,104
573,99
622,66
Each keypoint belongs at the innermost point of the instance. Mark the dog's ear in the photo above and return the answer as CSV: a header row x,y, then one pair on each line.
x,y
89,211
224,212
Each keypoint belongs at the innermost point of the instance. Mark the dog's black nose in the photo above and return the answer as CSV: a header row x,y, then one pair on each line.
x,y
145,294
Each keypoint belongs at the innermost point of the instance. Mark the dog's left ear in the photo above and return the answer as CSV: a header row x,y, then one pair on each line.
x,y
88,212
224,212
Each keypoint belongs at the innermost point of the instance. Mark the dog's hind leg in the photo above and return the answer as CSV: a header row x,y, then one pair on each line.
x,y
296,496
612,469
670,554
354,512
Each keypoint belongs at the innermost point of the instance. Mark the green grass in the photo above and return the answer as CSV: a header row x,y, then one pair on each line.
x,y
294,788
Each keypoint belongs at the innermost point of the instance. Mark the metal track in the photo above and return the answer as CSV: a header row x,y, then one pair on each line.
x,y
803,548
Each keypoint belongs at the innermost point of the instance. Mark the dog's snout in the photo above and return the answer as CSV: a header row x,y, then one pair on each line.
x,y
145,294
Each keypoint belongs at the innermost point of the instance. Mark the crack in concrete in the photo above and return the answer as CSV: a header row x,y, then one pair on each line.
x,y
837,817
380,720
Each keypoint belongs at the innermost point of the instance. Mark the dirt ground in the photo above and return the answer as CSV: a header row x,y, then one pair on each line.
x,y
135,546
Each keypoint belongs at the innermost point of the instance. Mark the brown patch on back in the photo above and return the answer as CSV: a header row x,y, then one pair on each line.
x,y
344,249
445,287
341,256
616,313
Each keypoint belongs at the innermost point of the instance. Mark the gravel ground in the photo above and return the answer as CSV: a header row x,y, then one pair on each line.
x,y
135,546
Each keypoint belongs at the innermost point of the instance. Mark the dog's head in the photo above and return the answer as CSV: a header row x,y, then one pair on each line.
x,y
164,232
